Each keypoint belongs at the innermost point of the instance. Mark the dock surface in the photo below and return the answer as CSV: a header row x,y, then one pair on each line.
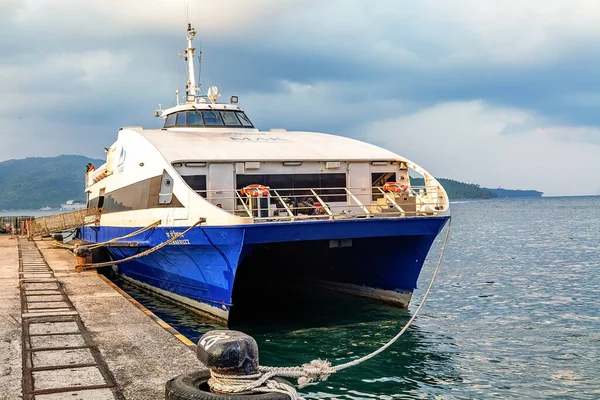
x,y
68,334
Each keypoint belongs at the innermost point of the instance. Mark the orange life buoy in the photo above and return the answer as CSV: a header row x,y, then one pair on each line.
x,y
255,190
395,187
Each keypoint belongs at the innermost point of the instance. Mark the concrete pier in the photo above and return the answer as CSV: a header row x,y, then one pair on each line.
x,y
83,339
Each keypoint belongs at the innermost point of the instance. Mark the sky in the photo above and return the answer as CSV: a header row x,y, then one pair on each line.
x,y
502,93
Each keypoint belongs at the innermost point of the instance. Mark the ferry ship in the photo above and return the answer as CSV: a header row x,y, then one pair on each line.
x,y
309,206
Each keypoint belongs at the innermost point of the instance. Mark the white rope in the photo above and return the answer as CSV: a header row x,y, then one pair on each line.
x,y
142,254
96,245
315,371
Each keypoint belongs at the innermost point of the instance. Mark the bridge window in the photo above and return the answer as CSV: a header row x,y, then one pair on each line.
x,y
180,119
230,118
194,118
212,118
170,121
244,120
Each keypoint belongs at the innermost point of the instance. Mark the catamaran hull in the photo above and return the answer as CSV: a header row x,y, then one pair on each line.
x,y
375,258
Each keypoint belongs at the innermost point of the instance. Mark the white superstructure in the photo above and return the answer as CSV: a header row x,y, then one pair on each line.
x,y
199,163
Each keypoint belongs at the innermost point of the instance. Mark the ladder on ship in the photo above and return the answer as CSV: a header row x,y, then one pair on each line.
x,y
44,226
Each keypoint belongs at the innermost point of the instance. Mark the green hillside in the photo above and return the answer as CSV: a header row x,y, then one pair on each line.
x,y
511,193
37,182
459,190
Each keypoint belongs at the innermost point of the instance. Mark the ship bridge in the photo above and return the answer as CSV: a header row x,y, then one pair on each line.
x,y
203,115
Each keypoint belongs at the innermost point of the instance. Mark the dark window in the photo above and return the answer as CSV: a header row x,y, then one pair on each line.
x,y
194,118
280,182
180,119
244,120
329,186
212,118
335,181
170,121
197,183
378,179
230,118
245,180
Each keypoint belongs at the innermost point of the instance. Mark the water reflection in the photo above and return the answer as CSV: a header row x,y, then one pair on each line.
x,y
294,324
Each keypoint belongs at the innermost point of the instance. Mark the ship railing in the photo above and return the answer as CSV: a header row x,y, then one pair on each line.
x,y
43,226
299,204
96,175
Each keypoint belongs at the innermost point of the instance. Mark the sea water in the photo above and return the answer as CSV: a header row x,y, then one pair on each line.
x,y
514,314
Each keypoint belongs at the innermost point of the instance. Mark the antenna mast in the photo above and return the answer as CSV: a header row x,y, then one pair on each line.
x,y
191,87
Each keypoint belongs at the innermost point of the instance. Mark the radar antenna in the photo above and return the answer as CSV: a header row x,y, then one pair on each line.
x,y
191,86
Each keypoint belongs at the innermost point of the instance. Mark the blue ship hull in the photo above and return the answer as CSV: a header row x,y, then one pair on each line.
x,y
201,268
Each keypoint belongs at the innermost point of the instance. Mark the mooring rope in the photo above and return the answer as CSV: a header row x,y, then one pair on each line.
x,y
315,371
142,254
97,245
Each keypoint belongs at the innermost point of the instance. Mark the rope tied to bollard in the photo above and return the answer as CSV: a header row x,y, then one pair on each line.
x,y
93,246
143,253
266,380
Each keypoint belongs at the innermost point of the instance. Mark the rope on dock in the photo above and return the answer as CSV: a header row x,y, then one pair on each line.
x,y
101,244
83,267
313,372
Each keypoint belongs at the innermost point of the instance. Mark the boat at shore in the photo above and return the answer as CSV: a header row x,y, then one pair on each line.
x,y
307,206
71,205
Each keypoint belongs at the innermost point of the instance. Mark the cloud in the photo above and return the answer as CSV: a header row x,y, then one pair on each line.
x,y
466,141
117,18
524,71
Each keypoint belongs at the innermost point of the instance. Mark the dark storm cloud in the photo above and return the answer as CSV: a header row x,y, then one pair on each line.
x,y
339,66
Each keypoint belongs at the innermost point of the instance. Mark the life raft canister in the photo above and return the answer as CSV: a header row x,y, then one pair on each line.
x,y
395,187
255,190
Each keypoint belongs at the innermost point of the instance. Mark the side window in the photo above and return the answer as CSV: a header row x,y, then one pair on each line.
x,y
194,118
197,183
180,118
212,118
230,118
244,119
170,121
378,179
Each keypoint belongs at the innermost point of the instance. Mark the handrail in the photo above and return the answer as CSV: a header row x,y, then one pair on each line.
x,y
294,204
284,205
244,204
391,200
325,207
361,205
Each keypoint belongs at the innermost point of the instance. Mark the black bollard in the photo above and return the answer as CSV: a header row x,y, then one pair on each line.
x,y
84,256
228,352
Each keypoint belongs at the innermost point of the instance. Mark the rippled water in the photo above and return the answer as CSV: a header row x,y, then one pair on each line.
x,y
514,314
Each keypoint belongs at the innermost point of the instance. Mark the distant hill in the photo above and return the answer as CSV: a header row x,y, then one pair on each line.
x,y
36,182
511,193
459,190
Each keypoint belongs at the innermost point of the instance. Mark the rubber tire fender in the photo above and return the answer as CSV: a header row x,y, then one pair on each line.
x,y
194,386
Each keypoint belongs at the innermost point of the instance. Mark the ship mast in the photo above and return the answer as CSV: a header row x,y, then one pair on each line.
x,y
191,87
